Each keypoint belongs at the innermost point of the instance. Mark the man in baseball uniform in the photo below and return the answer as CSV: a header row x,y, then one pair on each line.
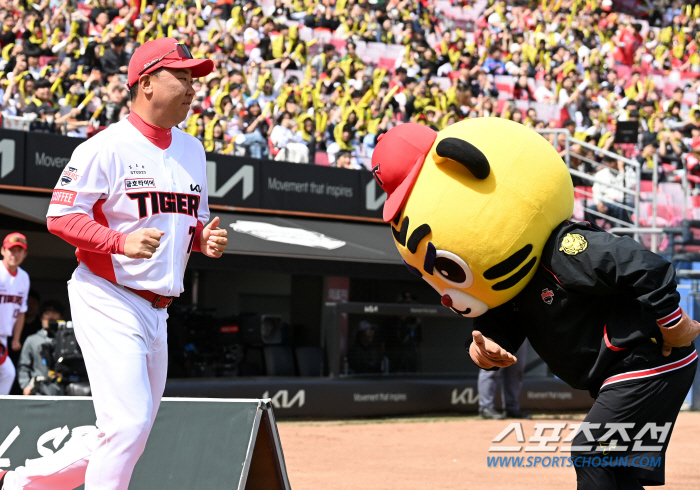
x,y
14,291
133,200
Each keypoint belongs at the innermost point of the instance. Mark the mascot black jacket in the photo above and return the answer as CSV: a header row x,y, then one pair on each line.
x,y
592,308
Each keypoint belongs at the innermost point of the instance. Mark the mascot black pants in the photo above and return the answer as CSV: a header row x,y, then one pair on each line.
x,y
638,412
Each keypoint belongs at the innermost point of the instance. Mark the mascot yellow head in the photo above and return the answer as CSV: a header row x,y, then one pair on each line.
x,y
472,206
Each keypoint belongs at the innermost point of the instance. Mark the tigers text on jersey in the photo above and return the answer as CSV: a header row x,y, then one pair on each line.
x,y
14,291
126,183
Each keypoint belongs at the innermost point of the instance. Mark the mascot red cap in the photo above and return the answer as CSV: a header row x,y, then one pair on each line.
x,y
397,159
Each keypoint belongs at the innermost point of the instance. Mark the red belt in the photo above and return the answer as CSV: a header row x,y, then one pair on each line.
x,y
156,300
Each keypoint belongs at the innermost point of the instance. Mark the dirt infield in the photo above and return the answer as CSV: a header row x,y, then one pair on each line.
x,y
443,453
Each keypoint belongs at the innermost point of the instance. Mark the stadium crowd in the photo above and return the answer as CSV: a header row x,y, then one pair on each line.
x,y
293,82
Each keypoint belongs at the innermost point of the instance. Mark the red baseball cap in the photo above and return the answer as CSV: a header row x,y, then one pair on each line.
x,y
397,160
165,52
15,240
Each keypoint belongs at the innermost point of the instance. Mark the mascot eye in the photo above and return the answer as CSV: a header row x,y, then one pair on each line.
x,y
453,269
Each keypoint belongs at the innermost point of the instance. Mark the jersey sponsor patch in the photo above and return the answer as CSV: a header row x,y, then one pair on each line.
x,y
65,198
69,175
573,244
130,184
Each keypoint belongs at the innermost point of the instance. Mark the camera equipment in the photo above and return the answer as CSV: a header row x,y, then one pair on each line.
x,y
67,350
63,356
203,345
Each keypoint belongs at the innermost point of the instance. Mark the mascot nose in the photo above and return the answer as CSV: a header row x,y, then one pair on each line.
x,y
446,301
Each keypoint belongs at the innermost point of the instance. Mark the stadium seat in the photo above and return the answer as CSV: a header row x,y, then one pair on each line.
x,y
379,47
394,51
646,186
663,199
279,360
505,91
314,49
387,64
323,34
505,85
666,212
644,213
583,192
273,149
321,158
579,208
45,60
310,361
305,33
339,45
253,363
444,82
674,191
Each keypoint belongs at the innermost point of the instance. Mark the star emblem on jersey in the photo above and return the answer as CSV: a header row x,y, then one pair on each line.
x,y
573,244
141,171
547,296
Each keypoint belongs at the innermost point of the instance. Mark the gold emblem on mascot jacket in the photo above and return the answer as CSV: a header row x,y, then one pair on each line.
x,y
573,244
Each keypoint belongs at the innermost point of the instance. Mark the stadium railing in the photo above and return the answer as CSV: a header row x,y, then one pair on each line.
x,y
655,207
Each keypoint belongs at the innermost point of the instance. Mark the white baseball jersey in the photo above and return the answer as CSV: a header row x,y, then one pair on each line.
x,y
126,183
14,291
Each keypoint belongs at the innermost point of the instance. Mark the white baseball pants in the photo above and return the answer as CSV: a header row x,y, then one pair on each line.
x,y
124,342
7,371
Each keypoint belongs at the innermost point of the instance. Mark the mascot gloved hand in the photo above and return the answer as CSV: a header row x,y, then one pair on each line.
x,y
472,206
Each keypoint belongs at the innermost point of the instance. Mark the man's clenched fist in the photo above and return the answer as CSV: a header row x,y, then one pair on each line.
x,y
679,335
142,244
487,354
